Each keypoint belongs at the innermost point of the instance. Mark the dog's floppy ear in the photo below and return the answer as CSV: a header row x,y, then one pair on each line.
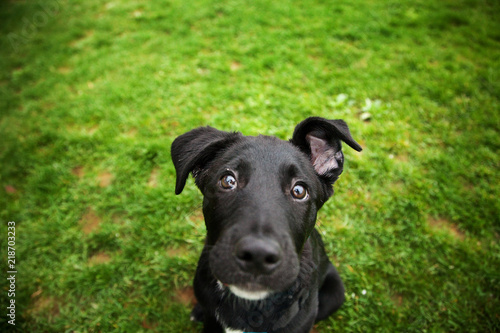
x,y
193,150
321,140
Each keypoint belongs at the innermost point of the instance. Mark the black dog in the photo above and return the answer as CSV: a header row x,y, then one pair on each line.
x,y
263,267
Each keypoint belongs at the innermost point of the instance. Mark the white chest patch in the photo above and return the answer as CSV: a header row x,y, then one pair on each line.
x,y
229,330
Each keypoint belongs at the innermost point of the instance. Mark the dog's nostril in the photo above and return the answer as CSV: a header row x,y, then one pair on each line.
x,y
245,256
272,259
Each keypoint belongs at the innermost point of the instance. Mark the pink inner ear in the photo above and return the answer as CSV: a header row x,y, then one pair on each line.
x,y
322,155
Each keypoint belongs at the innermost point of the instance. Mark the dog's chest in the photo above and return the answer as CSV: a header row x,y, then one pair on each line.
x,y
275,313
229,330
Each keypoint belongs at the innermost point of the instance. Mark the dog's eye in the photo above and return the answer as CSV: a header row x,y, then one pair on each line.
x,y
228,182
299,192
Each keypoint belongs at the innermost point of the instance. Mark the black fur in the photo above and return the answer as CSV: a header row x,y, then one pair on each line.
x,y
260,237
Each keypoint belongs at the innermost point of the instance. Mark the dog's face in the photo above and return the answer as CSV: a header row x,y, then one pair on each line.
x,y
260,190
261,197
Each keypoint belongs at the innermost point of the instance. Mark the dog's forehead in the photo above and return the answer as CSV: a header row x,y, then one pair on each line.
x,y
266,152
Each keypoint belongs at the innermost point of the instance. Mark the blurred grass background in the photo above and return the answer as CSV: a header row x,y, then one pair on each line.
x,y
92,94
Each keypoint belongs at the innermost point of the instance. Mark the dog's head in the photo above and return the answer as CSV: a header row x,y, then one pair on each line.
x,y
261,197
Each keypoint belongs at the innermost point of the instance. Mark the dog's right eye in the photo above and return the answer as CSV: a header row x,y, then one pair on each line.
x,y
299,192
228,182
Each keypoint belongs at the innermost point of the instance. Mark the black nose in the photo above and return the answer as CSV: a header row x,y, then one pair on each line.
x,y
257,255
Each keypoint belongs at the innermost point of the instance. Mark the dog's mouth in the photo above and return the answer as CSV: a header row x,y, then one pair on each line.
x,y
250,291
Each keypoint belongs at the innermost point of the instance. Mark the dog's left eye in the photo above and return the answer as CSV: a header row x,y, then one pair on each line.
x,y
228,182
299,192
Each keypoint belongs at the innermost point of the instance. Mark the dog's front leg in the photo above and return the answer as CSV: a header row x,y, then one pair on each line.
x,y
210,325
331,294
207,294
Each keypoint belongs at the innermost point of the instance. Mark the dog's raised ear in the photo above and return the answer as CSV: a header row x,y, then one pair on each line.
x,y
321,140
193,150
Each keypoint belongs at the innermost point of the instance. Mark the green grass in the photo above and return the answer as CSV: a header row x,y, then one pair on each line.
x,y
92,96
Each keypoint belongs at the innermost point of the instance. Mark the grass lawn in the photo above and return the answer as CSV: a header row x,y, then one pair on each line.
x,y
92,94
